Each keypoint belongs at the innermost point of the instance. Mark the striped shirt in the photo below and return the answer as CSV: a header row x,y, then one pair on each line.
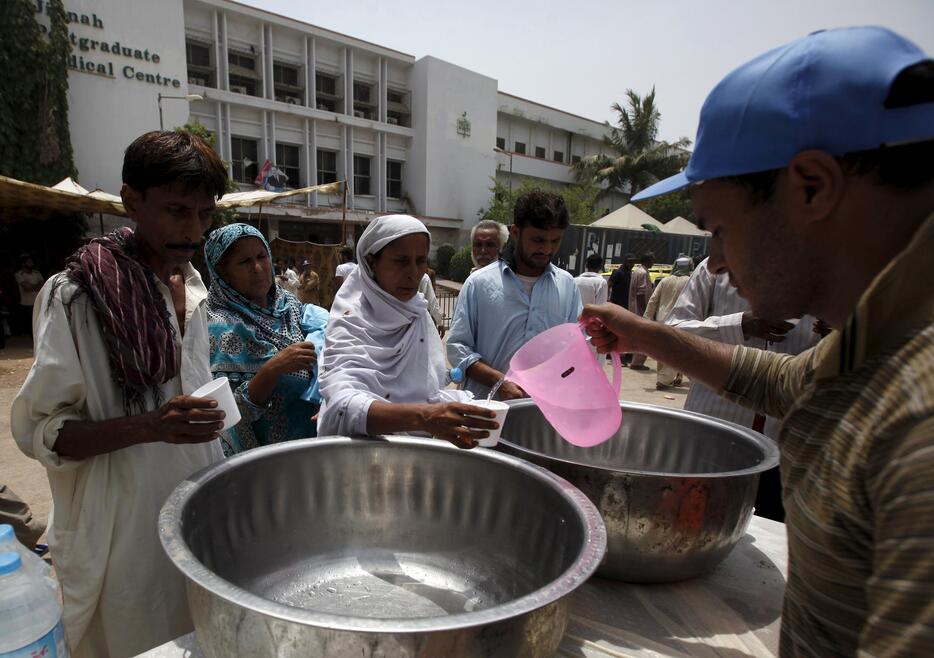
x,y
710,307
857,463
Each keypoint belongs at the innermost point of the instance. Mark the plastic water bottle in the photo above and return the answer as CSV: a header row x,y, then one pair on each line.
x,y
32,563
30,615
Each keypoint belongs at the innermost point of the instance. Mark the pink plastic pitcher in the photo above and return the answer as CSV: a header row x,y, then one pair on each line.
x,y
560,372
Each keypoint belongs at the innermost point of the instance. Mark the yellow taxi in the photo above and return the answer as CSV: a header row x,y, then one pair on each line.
x,y
659,272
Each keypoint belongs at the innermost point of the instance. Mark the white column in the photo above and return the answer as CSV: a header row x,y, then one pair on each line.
x,y
380,91
348,163
308,172
223,75
220,135
312,141
272,137
312,65
265,139
383,169
305,60
348,94
269,81
227,136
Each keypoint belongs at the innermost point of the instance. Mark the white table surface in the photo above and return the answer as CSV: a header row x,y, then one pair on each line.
x,y
733,611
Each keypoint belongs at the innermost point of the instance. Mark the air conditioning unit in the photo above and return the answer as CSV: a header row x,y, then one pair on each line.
x,y
197,81
239,89
291,100
359,113
393,120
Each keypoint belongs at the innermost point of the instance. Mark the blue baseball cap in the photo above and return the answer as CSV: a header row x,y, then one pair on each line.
x,y
826,91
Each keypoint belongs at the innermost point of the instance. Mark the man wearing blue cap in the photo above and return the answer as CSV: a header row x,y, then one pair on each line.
x,y
814,171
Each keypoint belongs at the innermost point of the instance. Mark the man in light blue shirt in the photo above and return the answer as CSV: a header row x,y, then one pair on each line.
x,y
509,302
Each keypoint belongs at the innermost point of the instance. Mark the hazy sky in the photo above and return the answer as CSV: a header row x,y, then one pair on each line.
x,y
581,56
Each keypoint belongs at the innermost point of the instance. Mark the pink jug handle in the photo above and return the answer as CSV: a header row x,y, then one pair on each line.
x,y
617,373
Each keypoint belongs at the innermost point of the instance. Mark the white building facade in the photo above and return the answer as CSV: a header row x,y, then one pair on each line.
x,y
420,136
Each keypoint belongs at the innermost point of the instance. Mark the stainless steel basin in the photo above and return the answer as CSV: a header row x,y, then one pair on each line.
x,y
379,547
675,489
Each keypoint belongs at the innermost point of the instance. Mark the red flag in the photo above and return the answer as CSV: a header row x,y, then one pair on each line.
x,y
261,177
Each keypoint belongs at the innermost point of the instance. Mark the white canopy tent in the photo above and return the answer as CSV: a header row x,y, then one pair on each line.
x,y
628,217
679,225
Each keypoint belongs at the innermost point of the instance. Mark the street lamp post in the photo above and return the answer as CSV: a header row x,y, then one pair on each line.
x,y
509,153
186,97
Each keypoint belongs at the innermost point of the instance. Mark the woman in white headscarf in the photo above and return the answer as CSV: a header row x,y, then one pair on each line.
x,y
383,367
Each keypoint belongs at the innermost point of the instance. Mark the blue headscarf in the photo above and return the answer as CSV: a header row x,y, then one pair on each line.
x,y
244,335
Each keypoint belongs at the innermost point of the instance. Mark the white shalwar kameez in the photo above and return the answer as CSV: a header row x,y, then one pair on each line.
x,y
378,348
122,595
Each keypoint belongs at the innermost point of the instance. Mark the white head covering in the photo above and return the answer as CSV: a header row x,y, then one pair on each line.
x,y
377,348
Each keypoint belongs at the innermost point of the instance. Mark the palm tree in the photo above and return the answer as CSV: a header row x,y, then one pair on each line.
x,y
639,158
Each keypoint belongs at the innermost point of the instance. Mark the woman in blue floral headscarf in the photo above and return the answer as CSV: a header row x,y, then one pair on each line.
x,y
263,340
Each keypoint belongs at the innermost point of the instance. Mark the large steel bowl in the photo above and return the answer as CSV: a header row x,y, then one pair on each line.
x,y
379,547
675,489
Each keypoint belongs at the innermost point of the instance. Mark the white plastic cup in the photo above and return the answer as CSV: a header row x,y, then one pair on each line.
x,y
501,409
219,390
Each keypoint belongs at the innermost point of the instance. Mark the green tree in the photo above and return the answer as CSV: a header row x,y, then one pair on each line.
x,y
225,216
639,157
35,141
443,257
580,199
461,264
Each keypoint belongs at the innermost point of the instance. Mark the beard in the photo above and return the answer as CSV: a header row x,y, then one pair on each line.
x,y
526,260
785,275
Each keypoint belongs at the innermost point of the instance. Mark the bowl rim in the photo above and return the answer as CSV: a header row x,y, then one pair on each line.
x,y
769,447
586,563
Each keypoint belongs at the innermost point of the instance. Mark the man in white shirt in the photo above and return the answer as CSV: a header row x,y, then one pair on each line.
x,y
29,281
345,268
591,284
710,307
121,343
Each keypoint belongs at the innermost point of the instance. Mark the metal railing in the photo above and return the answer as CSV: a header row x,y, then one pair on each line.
x,y
447,299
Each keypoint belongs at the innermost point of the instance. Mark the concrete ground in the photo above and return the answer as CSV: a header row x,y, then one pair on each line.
x,y
27,478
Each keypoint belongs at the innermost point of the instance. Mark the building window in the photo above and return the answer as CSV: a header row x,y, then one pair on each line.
x,y
326,92
286,83
501,143
363,105
285,74
243,159
539,151
287,159
198,58
243,85
327,167
559,156
575,159
393,179
397,108
361,174
520,148
243,60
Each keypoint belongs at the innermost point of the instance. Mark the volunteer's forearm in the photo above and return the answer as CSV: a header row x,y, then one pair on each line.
x,y
700,359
